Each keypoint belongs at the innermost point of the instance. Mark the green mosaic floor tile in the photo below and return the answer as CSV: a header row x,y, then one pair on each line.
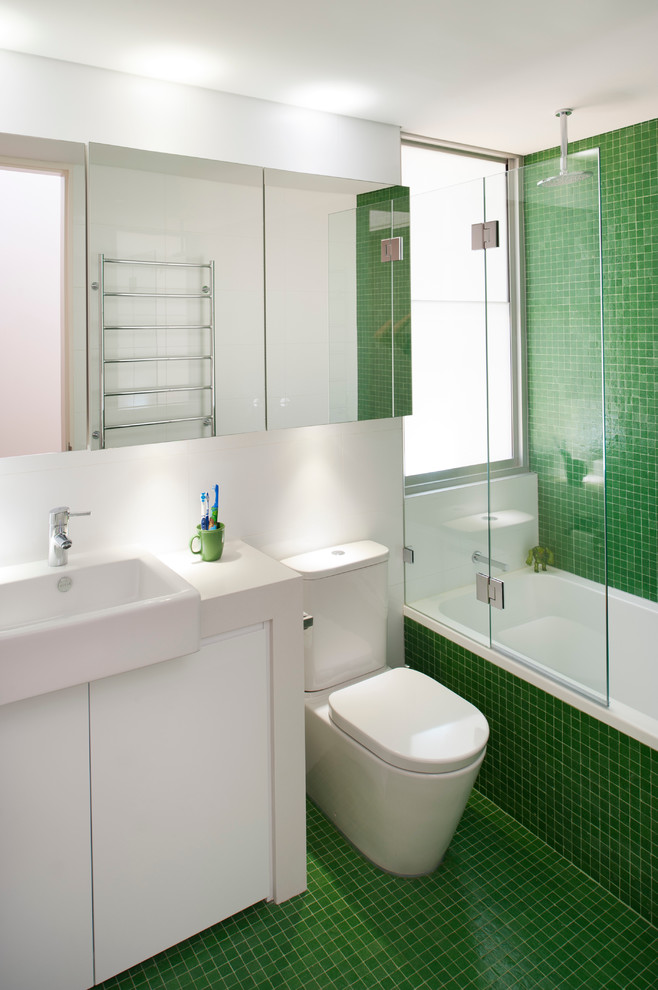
x,y
503,911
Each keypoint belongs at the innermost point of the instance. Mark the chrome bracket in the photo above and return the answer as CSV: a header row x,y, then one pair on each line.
x,y
484,235
408,555
489,590
392,249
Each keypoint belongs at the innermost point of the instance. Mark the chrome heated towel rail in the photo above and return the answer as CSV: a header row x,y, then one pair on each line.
x,y
206,293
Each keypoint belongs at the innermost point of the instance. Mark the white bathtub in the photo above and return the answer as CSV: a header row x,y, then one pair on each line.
x,y
559,621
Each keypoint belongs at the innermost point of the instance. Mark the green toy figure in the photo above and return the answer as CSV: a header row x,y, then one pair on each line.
x,y
540,555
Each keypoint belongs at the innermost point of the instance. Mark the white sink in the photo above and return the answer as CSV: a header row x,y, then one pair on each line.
x,y
101,614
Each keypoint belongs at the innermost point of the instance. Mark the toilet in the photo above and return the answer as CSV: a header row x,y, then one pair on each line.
x,y
391,754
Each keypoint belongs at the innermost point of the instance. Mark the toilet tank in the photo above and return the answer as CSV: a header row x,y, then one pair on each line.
x,y
346,593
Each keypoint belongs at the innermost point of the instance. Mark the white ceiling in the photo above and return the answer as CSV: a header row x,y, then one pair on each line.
x,y
473,72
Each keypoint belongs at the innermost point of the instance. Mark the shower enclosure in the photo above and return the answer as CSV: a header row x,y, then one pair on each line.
x,y
505,496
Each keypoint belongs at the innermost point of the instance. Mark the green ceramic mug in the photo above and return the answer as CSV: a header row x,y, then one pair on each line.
x,y
210,542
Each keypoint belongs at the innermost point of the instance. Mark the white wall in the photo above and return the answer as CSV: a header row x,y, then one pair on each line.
x,y
285,491
78,103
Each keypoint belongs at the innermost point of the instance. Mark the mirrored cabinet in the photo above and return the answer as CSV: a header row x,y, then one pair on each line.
x,y
203,298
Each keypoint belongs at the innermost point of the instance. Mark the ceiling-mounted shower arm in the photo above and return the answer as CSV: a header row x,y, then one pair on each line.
x,y
565,177
563,114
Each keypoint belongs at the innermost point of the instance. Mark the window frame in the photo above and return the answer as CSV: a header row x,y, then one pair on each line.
x,y
475,473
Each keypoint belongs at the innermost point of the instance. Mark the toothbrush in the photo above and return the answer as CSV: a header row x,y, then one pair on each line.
x,y
204,510
215,508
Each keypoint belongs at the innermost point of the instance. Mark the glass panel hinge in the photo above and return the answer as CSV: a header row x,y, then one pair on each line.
x,y
490,590
484,235
392,249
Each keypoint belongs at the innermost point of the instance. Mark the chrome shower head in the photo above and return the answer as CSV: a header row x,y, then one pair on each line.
x,y
565,177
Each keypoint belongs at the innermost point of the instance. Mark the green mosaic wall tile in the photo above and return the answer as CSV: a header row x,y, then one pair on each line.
x,y
383,306
584,788
629,212
564,347
503,910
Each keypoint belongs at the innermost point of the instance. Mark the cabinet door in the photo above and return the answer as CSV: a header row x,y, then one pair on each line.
x,y
45,845
180,773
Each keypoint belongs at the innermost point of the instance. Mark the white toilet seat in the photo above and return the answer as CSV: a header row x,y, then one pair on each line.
x,y
411,721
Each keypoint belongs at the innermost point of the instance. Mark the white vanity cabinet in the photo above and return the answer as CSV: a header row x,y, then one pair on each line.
x,y
180,770
140,808
45,845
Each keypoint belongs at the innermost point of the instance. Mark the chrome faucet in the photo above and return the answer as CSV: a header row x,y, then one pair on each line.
x,y
58,534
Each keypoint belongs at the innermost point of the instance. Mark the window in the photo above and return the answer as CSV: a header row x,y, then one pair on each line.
x,y
464,347
31,307
43,290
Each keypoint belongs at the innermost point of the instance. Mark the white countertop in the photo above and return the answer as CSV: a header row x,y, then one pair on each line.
x,y
240,568
229,586
242,588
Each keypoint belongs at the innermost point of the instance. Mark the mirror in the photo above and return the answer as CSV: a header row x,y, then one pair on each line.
x,y
200,282
383,304
175,256
311,280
